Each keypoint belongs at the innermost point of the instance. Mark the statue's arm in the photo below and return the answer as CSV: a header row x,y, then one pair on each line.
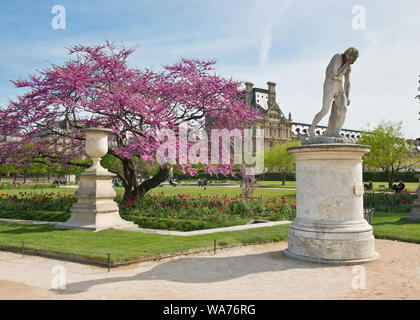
x,y
347,84
343,70
338,68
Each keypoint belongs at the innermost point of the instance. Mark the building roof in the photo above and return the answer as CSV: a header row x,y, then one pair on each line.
x,y
260,90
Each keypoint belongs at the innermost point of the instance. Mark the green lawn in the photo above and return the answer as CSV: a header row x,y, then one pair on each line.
x,y
123,245
389,225
410,186
276,184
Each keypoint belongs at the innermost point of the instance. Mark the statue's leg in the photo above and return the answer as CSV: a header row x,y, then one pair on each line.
x,y
342,106
327,99
332,121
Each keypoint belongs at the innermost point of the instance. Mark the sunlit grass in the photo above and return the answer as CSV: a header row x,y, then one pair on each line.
x,y
123,245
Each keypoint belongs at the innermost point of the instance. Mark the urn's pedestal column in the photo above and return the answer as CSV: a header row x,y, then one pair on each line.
x,y
329,225
415,214
95,209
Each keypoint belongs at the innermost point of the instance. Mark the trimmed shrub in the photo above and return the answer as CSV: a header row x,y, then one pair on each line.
x,y
380,176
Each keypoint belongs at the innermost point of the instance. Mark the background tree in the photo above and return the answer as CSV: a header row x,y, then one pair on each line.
x,y
279,160
413,159
418,96
389,149
97,88
6,169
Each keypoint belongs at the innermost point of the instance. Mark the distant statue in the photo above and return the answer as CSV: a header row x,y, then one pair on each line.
x,y
334,94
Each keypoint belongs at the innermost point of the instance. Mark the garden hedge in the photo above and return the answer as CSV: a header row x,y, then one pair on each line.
x,y
379,176
375,176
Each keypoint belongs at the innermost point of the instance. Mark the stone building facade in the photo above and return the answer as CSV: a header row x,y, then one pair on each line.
x,y
275,127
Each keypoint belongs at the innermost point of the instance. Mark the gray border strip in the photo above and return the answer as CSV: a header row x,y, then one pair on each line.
x,y
170,232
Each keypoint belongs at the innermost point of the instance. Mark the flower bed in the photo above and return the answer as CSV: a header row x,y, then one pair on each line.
x,y
215,209
389,202
32,202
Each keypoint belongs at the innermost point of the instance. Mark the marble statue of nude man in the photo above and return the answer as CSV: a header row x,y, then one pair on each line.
x,y
334,94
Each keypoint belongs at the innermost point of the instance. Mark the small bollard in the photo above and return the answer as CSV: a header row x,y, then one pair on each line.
x,y
214,246
23,249
109,262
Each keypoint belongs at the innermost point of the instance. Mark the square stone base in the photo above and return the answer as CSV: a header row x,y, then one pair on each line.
x,y
95,222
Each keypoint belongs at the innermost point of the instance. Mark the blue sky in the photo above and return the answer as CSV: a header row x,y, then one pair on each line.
x,y
288,42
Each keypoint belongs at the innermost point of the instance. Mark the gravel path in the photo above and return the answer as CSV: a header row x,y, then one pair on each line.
x,y
251,272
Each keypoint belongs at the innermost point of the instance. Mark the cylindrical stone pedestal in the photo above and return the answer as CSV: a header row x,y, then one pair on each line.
x,y
415,213
329,225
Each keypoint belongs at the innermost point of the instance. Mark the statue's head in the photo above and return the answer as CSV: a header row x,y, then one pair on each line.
x,y
351,55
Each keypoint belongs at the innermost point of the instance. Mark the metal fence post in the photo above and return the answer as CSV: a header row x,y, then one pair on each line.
x,y
109,262
23,249
214,246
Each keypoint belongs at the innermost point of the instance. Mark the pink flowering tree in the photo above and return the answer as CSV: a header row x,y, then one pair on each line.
x,y
96,87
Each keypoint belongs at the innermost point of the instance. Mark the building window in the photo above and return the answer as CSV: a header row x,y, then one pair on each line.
x,y
270,145
278,132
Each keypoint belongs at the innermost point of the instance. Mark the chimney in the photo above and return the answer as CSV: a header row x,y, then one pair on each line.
x,y
271,94
248,93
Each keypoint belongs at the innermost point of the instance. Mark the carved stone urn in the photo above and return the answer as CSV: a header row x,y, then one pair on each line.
x,y
96,146
95,208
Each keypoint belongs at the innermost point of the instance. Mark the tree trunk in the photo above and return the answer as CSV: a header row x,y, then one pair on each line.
x,y
154,182
390,176
128,177
129,180
283,178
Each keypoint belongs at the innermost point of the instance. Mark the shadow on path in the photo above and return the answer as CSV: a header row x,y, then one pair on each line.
x,y
204,270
